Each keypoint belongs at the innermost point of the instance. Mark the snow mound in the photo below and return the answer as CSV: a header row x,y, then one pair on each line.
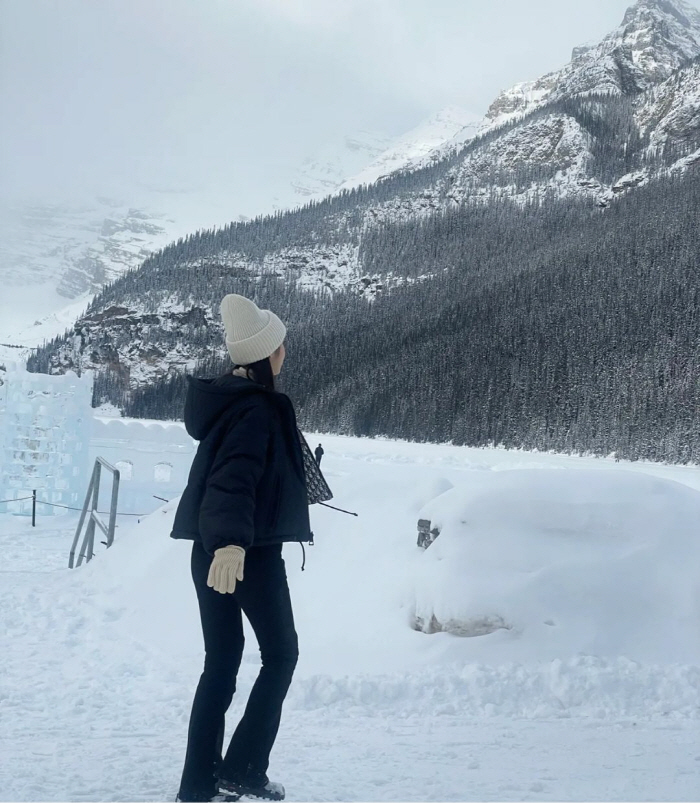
x,y
565,562
431,489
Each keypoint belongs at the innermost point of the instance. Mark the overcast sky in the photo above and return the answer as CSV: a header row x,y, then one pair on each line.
x,y
206,93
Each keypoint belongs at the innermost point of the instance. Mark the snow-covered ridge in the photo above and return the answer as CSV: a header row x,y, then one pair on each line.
x,y
668,114
585,687
449,128
78,246
655,38
146,357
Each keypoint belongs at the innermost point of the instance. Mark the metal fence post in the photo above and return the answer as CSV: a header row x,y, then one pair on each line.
x,y
89,542
82,517
113,508
87,549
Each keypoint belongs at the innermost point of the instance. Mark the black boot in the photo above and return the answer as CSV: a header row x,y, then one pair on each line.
x,y
259,786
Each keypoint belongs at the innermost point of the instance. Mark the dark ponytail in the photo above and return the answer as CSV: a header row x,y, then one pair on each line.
x,y
261,372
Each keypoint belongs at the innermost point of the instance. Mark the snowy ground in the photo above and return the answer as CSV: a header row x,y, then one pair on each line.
x,y
100,664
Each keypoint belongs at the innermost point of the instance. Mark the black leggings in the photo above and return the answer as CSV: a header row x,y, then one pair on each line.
x,y
263,596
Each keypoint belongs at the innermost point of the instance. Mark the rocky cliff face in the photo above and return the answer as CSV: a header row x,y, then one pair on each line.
x,y
670,112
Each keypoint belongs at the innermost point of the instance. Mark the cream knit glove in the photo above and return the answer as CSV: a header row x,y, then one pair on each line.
x,y
226,568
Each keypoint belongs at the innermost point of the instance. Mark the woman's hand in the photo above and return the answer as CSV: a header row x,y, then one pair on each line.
x,y
226,568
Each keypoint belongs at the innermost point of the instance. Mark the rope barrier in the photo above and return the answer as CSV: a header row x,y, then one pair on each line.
x,y
101,512
67,507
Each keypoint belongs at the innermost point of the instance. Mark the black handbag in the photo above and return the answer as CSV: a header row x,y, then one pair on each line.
x,y
317,489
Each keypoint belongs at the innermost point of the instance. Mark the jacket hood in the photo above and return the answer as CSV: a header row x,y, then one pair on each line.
x,y
208,399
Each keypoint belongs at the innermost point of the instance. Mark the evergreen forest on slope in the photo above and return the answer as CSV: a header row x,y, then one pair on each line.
x,y
554,325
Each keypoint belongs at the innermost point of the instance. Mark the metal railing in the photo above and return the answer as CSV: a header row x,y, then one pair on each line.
x,y
90,511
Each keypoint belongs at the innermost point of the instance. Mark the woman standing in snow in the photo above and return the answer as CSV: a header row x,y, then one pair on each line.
x,y
245,496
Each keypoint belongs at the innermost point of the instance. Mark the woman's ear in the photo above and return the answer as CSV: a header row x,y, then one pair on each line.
x,y
277,359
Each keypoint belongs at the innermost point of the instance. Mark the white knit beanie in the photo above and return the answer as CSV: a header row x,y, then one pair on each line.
x,y
252,334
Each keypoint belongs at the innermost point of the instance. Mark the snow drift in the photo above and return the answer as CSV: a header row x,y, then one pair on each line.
x,y
566,562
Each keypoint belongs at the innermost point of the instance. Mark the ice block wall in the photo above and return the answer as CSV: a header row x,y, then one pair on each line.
x,y
153,458
45,428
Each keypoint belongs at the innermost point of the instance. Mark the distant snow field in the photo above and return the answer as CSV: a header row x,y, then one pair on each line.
x,y
585,684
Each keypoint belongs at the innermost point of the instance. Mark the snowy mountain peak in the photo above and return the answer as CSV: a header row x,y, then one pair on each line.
x,y
685,14
661,35
656,37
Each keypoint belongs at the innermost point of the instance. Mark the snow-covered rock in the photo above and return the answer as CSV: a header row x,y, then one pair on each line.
x,y
574,561
552,141
671,110
650,62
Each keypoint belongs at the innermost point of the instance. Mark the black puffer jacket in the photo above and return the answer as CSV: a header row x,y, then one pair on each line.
x,y
246,484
